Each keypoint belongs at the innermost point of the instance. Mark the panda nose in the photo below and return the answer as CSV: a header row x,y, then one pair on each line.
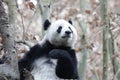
x,y
68,32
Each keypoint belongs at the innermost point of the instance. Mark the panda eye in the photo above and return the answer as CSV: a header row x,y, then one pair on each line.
x,y
70,29
59,29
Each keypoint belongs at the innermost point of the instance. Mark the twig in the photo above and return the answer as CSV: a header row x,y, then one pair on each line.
x,y
95,72
116,34
117,74
23,37
30,21
28,43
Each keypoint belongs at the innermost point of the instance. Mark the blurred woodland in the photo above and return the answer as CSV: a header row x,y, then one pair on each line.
x,y
97,23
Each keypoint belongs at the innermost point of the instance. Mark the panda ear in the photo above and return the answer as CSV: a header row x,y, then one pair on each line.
x,y
70,22
46,24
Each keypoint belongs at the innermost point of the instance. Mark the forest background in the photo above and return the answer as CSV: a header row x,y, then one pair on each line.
x,y
97,23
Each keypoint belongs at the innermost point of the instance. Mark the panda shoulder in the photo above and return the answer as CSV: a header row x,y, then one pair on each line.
x,y
35,47
38,46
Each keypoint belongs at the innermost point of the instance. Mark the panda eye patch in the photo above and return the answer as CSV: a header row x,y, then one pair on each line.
x,y
70,29
59,29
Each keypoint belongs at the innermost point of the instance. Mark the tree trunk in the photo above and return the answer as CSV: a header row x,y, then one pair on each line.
x,y
10,68
44,11
83,64
105,23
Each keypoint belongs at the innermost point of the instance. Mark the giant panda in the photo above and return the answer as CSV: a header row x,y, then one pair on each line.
x,y
54,57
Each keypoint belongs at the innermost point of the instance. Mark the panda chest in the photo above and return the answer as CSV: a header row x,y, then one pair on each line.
x,y
44,69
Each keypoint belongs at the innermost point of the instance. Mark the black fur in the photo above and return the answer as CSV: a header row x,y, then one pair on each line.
x,y
59,29
1,61
66,66
67,63
46,24
70,22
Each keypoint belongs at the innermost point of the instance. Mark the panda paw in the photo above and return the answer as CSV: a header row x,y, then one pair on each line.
x,y
57,54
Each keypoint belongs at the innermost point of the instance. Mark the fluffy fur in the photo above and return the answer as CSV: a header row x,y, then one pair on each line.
x,y
54,57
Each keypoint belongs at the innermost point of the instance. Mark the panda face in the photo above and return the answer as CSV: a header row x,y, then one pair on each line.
x,y
61,33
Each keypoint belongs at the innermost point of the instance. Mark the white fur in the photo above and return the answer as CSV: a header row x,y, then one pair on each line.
x,y
43,70
56,38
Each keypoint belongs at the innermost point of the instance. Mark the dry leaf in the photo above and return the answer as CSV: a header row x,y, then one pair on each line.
x,y
88,11
115,56
78,49
31,5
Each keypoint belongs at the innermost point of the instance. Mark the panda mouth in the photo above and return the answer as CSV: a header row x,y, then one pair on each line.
x,y
66,36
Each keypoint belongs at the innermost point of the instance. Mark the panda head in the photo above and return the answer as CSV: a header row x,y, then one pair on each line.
x,y
60,33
